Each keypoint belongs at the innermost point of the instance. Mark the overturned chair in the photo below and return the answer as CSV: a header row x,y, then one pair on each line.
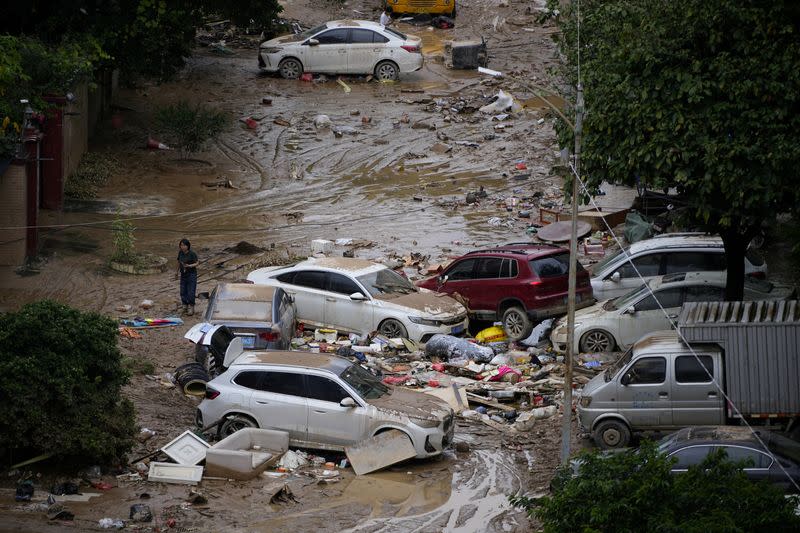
x,y
246,453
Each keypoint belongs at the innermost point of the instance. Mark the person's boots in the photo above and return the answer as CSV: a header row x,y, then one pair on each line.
x,y
191,310
185,309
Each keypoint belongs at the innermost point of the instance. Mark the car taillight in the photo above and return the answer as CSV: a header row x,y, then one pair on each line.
x,y
757,275
211,393
269,336
414,49
537,282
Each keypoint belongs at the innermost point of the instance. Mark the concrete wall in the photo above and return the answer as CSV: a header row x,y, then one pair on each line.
x,y
13,191
76,129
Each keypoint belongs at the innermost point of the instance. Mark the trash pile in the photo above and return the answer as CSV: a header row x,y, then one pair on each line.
x,y
503,384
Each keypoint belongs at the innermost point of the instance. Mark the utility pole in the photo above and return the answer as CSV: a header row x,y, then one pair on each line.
x,y
566,423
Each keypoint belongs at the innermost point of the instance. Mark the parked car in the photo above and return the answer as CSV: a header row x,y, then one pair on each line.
x,y
619,322
778,464
322,401
355,295
343,47
670,253
518,283
723,354
263,317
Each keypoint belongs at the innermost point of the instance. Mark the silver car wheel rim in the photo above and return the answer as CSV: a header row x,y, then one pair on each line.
x,y
514,324
290,69
597,342
611,437
392,329
386,72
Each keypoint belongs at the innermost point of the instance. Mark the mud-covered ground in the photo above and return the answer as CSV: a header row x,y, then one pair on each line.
x,y
396,181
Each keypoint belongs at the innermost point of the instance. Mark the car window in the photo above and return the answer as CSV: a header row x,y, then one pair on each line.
x,y
286,277
337,36
282,383
648,265
327,390
342,284
361,36
395,33
367,385
308,33
689,370
551,266
461,270
386,281
752,458
690,456
488,268
695,261
509,268
313,279
704,293
668,298
648,371
248,378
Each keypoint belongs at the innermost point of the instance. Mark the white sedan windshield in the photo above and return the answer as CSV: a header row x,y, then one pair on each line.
x,y
386,281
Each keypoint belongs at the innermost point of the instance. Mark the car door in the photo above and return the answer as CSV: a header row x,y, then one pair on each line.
x,y
343,313
711,260
460,279
649,266
690,456
308,289
366,47
329,422
284,315
278,402
648,316
330,54
757,463
696,400
643,393
485,284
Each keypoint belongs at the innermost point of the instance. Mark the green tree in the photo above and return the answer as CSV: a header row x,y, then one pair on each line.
x,y
701,95
190,127
635,491
61,374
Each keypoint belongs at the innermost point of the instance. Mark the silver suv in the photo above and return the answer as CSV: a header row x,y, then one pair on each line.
x,y
670,253
323,402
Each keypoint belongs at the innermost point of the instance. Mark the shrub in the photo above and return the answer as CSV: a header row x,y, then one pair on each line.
x,y
60,379
123,240
636,492
190,127
92,173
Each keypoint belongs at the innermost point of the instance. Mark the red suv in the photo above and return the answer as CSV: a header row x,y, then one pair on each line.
x,y
519,283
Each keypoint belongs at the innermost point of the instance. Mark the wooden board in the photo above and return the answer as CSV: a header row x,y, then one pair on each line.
x,y
480,400
380,451
561,231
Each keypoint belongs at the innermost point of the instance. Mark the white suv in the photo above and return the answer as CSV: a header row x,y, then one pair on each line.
x,y
670,253
322,401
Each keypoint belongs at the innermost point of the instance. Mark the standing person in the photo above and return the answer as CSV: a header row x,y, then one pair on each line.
x,y
187,269
386,16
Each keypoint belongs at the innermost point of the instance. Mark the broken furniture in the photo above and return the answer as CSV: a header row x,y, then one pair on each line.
x,y
246,453
465,54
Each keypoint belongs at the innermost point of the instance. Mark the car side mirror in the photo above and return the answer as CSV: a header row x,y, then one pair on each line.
x,y
347,402
358,297
615,277
626,378
630,310
312,42
443,279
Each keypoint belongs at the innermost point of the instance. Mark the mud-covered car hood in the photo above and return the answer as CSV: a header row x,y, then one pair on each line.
x,y
412,404
278,41
431,304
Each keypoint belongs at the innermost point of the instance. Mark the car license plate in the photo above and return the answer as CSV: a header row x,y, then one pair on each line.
x,y
457,329
248,341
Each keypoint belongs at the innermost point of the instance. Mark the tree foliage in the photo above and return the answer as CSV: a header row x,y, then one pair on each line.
x,y
60,379
635,491
188,126
702,95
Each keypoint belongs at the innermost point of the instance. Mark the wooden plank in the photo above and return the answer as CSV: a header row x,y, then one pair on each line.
x,y
480,400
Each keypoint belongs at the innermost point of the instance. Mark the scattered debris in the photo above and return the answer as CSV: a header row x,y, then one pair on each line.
x,y
380,451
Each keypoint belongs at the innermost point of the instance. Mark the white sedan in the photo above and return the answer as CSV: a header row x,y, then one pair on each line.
x,y
622,321
359,296
343,47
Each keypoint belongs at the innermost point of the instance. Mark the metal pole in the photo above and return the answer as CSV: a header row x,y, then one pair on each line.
x,y
566,427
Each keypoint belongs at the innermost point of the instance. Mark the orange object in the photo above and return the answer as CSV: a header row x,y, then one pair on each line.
x,y
433,383
306,76
153,144
521,166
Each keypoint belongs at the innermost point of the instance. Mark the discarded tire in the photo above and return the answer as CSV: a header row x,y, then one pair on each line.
x,y
454,348
192,378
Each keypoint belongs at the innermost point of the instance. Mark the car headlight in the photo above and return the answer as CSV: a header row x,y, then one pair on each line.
x,y
586,401
426,423
424,321
271,50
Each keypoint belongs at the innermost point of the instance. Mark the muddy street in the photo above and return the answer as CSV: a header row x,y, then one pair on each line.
x,y
390,173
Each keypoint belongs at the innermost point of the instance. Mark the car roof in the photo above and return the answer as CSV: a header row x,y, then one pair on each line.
x,y
344,264
351,23
244,292
738,434
659,340
528,249
713,278
676,240
332,363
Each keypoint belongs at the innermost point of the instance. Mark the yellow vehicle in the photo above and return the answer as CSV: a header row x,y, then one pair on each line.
x,y
432,7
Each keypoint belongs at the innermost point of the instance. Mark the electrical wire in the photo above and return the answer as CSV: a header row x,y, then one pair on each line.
x,y
674,326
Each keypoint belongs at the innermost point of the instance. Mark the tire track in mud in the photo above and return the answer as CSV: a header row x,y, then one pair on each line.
x,y
478,502
246,160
